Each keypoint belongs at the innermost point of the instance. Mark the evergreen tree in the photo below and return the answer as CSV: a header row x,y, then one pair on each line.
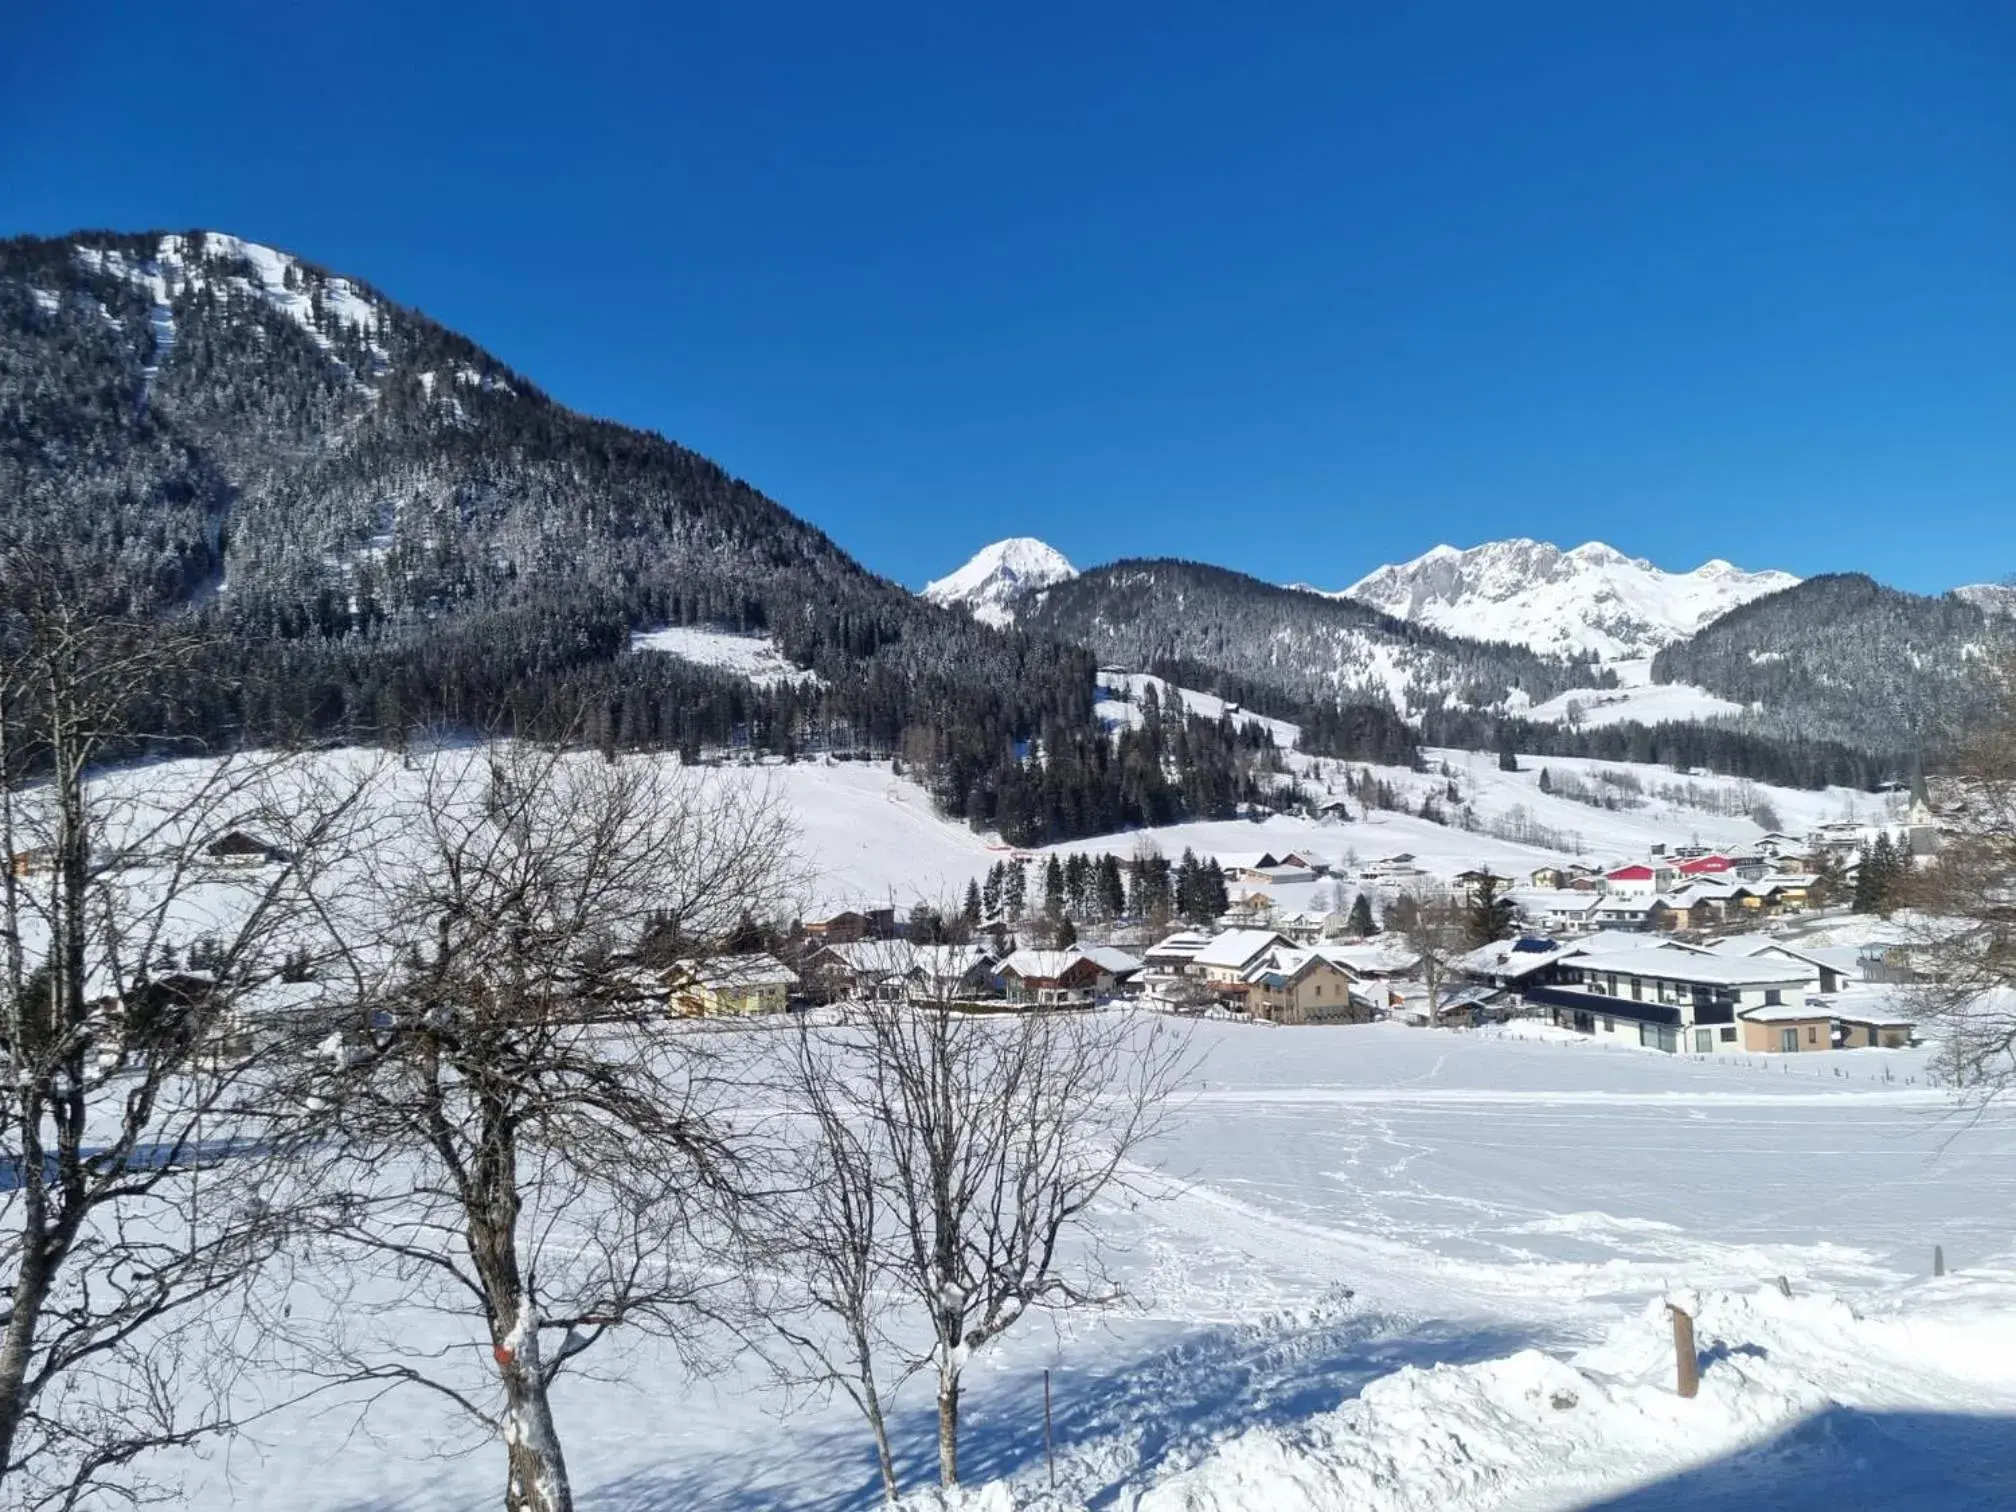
x,y
1487,916
1402,913
1112,893
1508,755
1361,923
1053,889
971,912
1546,782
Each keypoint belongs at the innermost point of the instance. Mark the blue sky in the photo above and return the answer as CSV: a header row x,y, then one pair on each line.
x,y
1299,292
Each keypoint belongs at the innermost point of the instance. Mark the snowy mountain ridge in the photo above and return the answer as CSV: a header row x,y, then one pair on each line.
x,y
1989,598
997,577
1591,600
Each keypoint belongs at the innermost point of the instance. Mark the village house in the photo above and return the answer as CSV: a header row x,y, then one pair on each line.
x,y
1547,879
27,863
1377,960
864,971
1478,878
240,849
1869,1017
1054,978
1512,963
1835,968
730,985
1124,968
1176,954
1670,999
1308,925
1224,962
948,973
1246,866
1289,985
850,925
1393,870
1640,879
1628,911
1786,1028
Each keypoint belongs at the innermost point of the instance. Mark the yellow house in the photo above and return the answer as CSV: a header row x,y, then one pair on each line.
x,y
725,985
1291,986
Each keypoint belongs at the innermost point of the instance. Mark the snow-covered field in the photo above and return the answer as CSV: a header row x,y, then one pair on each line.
x,y
755,657
1379,1267
1393,1268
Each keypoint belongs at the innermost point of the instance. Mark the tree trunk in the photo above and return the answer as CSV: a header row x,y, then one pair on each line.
x,y
871,1406
885,1461
30,1293
948,1427
537,1470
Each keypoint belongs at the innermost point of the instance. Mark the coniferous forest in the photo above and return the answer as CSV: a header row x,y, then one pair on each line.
x,y
379,530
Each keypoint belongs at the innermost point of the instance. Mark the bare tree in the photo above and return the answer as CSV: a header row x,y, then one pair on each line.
x,y
957,1161
525,1140
1437,930
830,1226
1961,918
137,939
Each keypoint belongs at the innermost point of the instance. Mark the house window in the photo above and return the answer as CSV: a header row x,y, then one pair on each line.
x,y
1638,989
1810,1033
1704,1041
1788,1039
1728,1034
1773,997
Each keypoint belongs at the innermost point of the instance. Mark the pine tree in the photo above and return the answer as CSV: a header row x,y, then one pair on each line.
x,y
971,912
1488,916
1546,782
1112,893
1053,889
1362,923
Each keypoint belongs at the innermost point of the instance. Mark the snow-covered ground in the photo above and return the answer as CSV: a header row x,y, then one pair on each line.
x,y
1372,1259
1388,1268
1649,704
755,657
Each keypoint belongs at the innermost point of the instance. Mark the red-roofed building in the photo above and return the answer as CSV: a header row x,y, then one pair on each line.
x,y
1706,866
1640,878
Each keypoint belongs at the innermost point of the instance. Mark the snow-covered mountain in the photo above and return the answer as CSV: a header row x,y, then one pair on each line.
x,y
999,576
1593,599
1989,598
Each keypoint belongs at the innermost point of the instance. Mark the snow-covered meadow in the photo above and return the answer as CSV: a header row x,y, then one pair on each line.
x,y
1371,1266
1384,1267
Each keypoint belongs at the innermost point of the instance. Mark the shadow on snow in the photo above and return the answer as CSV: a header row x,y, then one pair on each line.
x,y
1846,1457
1136,1416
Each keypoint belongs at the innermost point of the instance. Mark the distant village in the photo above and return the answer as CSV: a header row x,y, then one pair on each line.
x,y
1684,949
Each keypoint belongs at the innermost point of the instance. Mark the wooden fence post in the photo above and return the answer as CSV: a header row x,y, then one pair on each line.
x,y
1687,1366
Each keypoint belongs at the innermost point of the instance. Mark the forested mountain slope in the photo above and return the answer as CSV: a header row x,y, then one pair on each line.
x,y
1844,657
1312,646
396,530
